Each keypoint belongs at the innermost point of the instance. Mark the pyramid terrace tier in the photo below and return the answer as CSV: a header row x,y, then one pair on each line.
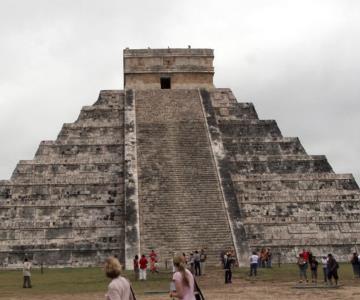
x,y
99,114
273,164
288,240
64,194
294,182
262,147
74,156
249,128
111,98
51,148
301,212
235,111
75,132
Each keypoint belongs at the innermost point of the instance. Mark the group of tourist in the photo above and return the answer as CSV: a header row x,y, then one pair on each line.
x,y
183,282
196,262
141,265
185,268
265,258
329,266
260,259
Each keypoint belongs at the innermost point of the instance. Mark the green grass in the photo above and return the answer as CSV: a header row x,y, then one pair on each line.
x,y
290,273
72,280
88,280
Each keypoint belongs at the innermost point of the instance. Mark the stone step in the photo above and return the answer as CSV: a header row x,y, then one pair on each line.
x,y
177,178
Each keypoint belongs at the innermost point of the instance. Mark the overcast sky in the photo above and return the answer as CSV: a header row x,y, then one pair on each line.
x,y
298,61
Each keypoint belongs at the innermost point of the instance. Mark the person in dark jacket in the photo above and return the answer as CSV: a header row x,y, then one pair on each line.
x,y
313,267
355,264
197,263
332,267
228,264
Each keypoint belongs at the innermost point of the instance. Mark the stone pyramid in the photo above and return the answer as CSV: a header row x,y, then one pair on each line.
x,y
174,164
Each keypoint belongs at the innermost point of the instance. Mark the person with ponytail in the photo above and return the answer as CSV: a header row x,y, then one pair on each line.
x,y
183,281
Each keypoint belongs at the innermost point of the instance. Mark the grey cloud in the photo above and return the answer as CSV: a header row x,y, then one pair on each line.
x,y
296,60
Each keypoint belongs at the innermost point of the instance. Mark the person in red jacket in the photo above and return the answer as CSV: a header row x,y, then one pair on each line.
x,y
306,255
143,266
153,262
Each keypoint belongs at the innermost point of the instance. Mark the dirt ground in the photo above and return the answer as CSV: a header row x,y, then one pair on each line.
x,y
236,292
239,289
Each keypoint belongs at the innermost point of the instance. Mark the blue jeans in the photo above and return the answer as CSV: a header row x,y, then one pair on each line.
x,y
302,272
253,269
325,274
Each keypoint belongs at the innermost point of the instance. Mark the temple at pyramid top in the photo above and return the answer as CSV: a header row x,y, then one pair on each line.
x,y
168,68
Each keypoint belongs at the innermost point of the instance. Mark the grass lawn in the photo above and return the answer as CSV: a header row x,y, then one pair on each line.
x,y
92,280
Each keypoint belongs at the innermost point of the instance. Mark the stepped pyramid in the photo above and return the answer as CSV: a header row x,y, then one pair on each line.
x,y
174,164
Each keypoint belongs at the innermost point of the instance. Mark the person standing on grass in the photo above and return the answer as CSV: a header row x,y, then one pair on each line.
x,y
136,267
355,264
269,258
324,267
153,262
197,263
27,274
313,267
119,287
229,262
302,268
262,258
183,281
254,260
143,266
203,257
192,263
332,267
306,255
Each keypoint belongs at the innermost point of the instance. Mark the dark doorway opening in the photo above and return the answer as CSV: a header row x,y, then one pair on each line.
x,y
165,83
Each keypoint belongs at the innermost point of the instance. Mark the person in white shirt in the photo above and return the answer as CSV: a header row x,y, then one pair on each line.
x,y
27,274
254,260
324,261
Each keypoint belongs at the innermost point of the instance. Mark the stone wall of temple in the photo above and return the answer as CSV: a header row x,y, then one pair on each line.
x,y
185,68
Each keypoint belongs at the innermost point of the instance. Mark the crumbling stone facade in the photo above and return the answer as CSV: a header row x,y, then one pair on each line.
x,y
175,164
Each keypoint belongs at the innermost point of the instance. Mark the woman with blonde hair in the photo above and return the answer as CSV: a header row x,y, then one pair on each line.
x,y
183,281
119,287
